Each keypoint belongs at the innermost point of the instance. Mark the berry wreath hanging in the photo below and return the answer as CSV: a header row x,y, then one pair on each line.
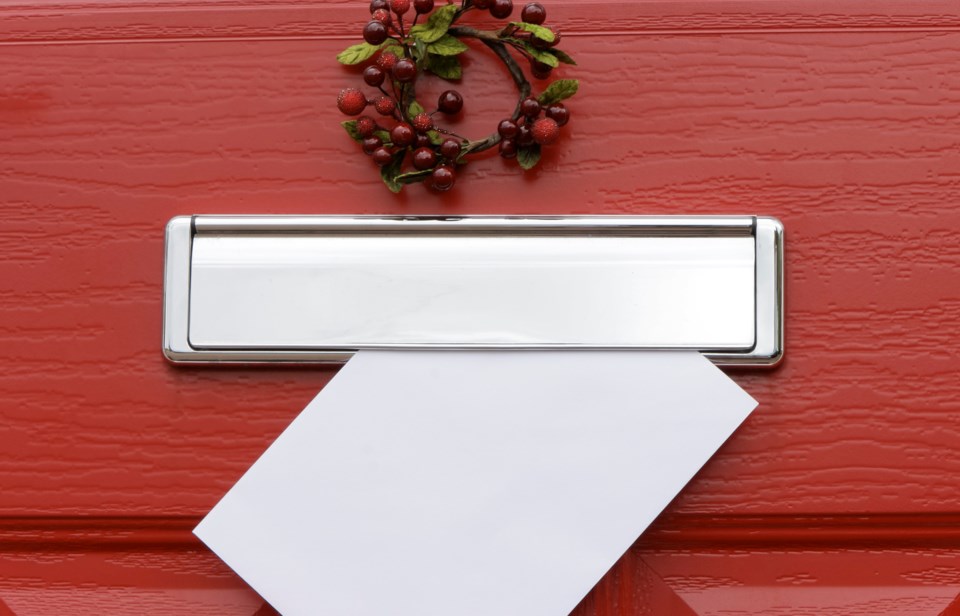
x,y
397,55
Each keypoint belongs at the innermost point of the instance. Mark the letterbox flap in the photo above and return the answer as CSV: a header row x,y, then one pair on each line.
x,y
318,288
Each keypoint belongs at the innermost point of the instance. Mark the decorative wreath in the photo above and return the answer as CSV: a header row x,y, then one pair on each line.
x,y
396,55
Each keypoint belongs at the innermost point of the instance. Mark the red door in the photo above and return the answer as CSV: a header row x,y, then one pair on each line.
x,y
840,494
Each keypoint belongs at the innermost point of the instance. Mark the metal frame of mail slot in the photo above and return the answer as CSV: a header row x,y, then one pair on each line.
x,y
767,234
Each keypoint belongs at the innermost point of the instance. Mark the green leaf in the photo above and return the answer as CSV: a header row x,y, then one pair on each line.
x,y
393,48
356,54
415,109
528,156
351,127
436,26
559,90
413,176
544,34
390,173
563,57
447,67
420,51
435,137
543,56
447,45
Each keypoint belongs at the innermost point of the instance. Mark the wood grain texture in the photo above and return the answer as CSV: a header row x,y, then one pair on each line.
x,y
839,118
152,20
810,582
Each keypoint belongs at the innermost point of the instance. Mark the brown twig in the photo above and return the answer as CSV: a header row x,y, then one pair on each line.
x,y
493,41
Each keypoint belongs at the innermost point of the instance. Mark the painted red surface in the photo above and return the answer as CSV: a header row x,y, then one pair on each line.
x,y
840,495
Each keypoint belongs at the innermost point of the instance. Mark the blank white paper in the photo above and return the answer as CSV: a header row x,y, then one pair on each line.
x,y
470,483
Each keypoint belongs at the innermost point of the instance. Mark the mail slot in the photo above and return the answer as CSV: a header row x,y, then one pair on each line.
x,y
317,289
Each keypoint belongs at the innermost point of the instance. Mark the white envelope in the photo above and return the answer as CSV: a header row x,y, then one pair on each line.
x,y
470,483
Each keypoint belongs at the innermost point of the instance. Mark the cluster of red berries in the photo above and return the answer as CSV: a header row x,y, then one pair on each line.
x,y
405,127
381,24
418,135
537,124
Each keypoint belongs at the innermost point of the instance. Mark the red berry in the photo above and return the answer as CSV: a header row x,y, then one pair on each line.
x,y
525,137
501,9
351,101
376,5
450,102
508,148
423,6
422,123
400,6
443,178
530,107
422,141
371,144
387,61
374,32
384,105
402,135
366,126
382,157
450,149
405,70
482,4
424,158
540,70
559,113
382,15
534,13
539,43
545,131
556,39
508,129
373,75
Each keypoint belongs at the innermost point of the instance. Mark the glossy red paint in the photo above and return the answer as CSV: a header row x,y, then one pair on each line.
x,y
840,495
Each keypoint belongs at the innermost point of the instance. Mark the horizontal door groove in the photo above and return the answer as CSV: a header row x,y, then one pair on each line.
x,y
786,531
130,533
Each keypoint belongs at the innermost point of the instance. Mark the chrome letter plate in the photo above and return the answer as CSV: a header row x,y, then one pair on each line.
x,y
318,288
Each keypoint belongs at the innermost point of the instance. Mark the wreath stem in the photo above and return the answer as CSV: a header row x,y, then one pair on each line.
x,y
485,35
515,71
492,40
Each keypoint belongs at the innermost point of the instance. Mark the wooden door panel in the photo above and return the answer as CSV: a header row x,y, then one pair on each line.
x,y
816,582
838,118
